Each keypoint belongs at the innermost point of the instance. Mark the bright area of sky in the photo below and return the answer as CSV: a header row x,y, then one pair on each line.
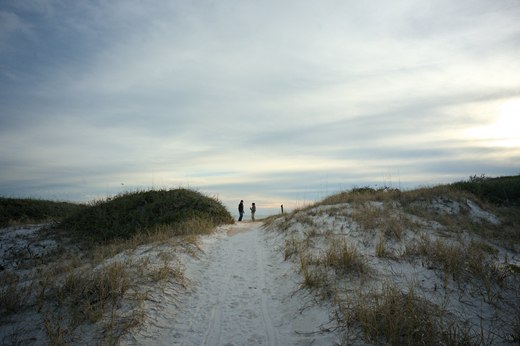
x,y
273,102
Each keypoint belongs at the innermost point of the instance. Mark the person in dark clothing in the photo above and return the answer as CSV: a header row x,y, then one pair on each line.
x,y
241,210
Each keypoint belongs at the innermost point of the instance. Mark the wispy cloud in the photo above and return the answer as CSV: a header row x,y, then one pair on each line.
x,y
263,98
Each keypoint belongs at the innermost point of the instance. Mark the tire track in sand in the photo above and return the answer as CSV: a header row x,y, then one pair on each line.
x,y
214,331
268,324
240,313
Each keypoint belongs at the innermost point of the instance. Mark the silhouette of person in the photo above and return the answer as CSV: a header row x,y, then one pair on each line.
x,y
241,210
253,211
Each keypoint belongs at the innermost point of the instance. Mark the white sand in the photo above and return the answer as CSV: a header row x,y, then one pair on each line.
x,y
243,294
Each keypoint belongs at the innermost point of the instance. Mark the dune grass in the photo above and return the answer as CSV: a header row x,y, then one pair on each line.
x,y
456,237
15,211
110,254
144,211
499,190
498,195
393,316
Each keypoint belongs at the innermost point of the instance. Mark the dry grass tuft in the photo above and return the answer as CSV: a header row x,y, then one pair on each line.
x,y
461,262
168,271
314,277
88,294
381,249
291,247
383,218
345,259
396,317
391,316
11,295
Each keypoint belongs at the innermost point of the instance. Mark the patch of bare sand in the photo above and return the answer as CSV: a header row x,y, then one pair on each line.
x,y
242,226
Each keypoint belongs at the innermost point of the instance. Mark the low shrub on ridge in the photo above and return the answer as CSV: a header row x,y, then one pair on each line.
x,y
128,214
500,190
27,210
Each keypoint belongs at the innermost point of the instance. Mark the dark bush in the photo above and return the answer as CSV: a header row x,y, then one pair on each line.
x,y
129,213
19,211
501,190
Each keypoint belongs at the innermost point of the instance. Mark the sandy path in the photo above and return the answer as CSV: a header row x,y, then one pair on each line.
x,y
244,294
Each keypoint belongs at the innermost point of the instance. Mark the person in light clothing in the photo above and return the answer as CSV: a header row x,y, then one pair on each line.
x,y
253,211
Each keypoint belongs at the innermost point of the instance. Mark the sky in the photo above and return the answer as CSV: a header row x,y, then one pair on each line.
x,y
273,102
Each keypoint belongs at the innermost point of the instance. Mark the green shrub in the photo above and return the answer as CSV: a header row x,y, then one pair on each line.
x,y
125,215
501,190
19,211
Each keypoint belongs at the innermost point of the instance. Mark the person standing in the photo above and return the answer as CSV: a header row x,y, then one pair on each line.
x,y
253,211
241,210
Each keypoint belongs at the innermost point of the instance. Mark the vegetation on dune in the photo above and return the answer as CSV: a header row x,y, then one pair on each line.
x,y
128,214
348,248
501,190
499,195
24,211
98,268
401,266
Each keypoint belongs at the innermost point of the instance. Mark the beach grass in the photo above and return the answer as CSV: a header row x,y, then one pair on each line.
x,y
182,211
108,256
22,211
398,264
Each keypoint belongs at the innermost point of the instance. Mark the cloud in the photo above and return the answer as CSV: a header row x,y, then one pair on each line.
x,y
266,98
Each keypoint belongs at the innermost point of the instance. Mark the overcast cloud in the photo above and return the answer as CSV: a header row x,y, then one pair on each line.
x,y
267,101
